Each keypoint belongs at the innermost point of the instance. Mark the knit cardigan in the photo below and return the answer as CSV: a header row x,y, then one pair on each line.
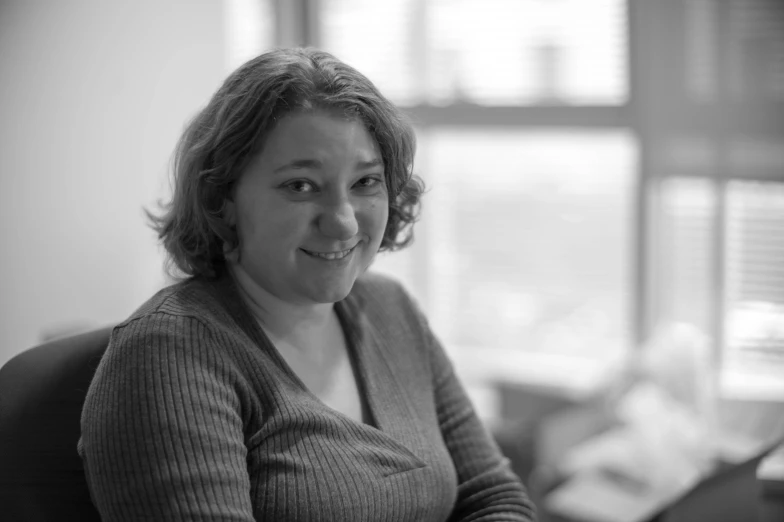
x,y
194,415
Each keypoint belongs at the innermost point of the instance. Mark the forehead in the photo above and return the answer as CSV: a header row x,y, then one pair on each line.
x,y
319,135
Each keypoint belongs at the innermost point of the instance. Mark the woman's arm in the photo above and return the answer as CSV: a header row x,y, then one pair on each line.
x,y
162,437
487,488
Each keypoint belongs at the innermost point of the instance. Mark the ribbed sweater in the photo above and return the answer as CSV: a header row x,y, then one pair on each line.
x,y
194,415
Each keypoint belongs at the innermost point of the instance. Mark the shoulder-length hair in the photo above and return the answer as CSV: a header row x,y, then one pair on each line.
x,y
221,139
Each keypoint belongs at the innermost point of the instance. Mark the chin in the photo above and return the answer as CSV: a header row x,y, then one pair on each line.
x,y
332,296
331,293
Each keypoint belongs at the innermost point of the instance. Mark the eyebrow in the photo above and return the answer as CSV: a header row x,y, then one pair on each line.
x,y
368,164
316,164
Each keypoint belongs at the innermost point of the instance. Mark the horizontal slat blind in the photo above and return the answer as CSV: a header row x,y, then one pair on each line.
x,y
488,52
685,251
755,276
379,39
522,52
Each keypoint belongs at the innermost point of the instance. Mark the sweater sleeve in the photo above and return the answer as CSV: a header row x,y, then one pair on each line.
x,y
162,435
487,488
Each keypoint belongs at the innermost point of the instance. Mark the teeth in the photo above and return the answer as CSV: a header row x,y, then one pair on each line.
x,y
330,255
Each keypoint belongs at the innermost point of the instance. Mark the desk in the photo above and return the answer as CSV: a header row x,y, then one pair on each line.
x,y
731,493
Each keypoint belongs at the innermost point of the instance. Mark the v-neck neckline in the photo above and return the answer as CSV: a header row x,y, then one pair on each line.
x,y
242,313
358,369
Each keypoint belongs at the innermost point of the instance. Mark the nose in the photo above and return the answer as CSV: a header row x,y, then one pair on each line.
x,y
338,219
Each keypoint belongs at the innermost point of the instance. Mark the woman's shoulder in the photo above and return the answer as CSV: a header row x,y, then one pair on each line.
x,y
191,298
184,321
187,317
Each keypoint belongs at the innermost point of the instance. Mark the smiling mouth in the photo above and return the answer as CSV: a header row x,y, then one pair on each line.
x,y
330,256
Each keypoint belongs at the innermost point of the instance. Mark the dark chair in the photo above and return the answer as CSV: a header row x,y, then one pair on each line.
x,y
42,391
731,494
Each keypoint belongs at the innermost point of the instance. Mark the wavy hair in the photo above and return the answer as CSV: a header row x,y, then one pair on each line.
x,y
220,140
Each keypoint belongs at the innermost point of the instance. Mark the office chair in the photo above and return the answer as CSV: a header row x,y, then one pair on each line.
x,y
42,391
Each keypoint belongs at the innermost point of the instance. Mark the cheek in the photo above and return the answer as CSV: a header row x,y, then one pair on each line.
x,y
379,212
372,218
268,220
381,224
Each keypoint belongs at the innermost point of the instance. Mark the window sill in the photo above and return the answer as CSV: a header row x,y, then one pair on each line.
x,y
749,385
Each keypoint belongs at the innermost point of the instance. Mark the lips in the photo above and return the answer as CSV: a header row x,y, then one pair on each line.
x,y
330,256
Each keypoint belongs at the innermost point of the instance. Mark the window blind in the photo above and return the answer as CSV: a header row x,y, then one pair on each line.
x,y
685,245
522,52
487,52
379,39
755,276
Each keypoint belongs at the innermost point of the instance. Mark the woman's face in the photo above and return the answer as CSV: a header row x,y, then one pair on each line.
x,y
311,208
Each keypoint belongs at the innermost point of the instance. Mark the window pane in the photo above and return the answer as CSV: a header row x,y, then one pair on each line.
x,y
530,239
684,246
755,281
490,52
379,39
520,52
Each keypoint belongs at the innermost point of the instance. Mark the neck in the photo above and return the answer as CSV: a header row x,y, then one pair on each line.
x,y
281,319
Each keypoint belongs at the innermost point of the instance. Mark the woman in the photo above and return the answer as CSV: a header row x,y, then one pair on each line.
x,y
280,381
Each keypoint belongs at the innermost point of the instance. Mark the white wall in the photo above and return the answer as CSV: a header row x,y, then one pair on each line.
x,y
93,95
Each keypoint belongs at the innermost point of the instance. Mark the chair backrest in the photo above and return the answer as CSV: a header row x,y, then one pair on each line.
x,y
42,391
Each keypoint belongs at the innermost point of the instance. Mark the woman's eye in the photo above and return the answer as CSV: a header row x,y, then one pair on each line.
x,y
300,186
368,182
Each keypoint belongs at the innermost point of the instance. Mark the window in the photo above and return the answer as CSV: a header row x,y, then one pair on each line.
x,y
719,168
439,51
526,242
596,169
754,347
378,39
686,243
531,244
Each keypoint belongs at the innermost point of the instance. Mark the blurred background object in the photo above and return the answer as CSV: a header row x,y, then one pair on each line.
x,y
601,172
